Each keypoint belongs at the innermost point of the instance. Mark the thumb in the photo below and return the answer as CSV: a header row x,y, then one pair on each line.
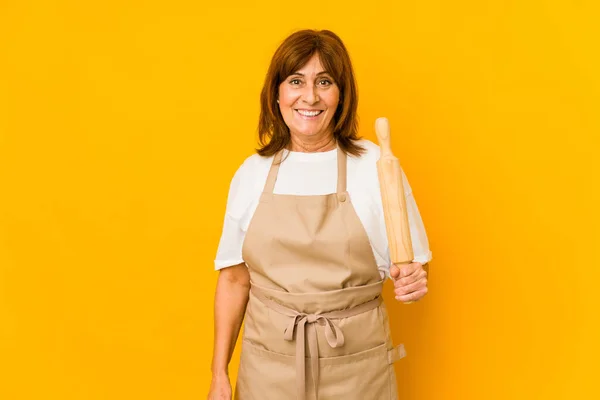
x,y
394,272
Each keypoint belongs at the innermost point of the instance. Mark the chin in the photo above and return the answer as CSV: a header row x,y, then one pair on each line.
x,y
310,132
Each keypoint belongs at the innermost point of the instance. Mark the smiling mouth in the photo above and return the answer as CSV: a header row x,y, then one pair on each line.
x,y
309,114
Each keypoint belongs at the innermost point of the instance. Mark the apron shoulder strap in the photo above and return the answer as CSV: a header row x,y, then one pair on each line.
x,y
272,177
341,181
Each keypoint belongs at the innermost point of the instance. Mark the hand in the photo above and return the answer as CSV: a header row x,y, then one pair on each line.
x,y
410,282
220,388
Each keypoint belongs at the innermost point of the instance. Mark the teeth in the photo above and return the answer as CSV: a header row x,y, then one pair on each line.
x,y
309,113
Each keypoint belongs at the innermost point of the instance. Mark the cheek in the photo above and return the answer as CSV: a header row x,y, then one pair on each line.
x,y
332,99
286,101
286,98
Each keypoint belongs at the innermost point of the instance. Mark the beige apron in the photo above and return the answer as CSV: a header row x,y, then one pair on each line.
x,y
315,326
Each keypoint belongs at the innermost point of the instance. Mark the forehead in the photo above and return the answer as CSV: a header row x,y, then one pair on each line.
x,y
312,67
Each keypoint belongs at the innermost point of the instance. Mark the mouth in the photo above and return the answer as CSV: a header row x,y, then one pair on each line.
x,y
309,114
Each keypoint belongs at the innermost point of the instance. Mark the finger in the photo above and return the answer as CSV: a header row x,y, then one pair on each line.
x,y
398,271
410,269
417,274
412,287
414,296
409,280
407,270
394,271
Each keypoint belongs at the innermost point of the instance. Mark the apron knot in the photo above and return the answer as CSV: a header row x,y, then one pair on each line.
x,y
333,334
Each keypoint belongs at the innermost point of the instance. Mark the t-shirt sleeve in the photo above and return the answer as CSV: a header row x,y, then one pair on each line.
x,y
418,235
229,252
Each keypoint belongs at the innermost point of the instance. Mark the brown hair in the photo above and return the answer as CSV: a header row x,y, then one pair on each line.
x,y
293,53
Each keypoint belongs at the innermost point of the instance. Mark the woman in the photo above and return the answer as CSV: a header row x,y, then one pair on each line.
x,y
303,254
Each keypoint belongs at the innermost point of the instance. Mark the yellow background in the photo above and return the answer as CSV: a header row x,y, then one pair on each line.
x,y
122,123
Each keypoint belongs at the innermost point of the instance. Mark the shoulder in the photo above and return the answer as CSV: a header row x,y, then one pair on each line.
x,y
366,165
362,170
367,161
247,183
253,166
371,153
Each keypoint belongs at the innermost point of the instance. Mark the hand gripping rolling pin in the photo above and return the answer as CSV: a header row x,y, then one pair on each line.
x,y
392,197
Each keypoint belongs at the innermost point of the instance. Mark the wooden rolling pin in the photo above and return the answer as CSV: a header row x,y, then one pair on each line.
x,y
392,197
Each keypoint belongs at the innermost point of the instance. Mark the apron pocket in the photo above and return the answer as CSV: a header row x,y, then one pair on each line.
x,y
367,375
265,375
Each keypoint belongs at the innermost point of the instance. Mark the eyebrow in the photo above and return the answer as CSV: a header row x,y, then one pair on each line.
x,y
320,73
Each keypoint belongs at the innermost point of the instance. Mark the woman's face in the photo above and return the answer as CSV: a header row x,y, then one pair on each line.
x,y
308,100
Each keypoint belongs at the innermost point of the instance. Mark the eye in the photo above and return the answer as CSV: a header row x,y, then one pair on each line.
x,y
325,82
295,81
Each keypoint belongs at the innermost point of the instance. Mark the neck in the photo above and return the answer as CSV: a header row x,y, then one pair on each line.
x,y
310,145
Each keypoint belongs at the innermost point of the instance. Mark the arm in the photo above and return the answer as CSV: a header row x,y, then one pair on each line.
x,y
231,298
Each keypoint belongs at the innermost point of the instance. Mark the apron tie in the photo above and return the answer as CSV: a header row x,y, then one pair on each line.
x,y
300,322
333,334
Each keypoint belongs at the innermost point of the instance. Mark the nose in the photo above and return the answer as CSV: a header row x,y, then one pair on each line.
x,y
310,94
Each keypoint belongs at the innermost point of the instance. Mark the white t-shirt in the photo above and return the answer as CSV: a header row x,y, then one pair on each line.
x,y
316,174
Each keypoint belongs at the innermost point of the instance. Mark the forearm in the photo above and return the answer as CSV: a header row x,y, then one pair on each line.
x,y
231,298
